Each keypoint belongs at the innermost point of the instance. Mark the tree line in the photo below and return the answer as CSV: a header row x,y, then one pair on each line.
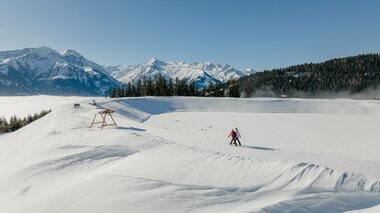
x,y
16,123
356,74
160,86
351,74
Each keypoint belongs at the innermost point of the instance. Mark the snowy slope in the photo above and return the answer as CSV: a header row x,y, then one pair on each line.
x,y
172,155
43,70
21,106
202,73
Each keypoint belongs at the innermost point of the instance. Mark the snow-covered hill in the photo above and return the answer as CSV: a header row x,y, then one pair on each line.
x,y
43,70
202,73
172,155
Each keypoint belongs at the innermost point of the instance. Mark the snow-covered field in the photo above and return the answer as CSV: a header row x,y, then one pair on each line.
x,y
172,155
21,106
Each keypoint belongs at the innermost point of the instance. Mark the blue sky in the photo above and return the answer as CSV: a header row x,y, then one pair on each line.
x,y
244,33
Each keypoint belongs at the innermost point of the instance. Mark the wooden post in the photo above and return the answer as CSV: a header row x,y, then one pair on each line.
x,y
104,120
93,121
113,120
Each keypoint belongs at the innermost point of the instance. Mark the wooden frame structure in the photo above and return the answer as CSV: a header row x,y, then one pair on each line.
x,y
104,114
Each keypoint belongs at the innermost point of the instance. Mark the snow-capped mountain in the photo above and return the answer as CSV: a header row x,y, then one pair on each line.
x,y
202,73
44,70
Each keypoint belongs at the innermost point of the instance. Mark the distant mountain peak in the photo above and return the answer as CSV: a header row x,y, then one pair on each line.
x,y
155,61
44,48
70,52
46,71
36,50
227,66
249,71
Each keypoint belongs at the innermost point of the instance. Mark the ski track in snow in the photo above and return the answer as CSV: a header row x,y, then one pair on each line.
x,y
172,155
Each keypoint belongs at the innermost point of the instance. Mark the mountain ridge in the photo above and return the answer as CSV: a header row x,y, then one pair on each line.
x,y
43,70
202,73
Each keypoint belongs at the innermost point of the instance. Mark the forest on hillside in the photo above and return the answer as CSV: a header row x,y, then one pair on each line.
x,y
353,75
160,86
16,123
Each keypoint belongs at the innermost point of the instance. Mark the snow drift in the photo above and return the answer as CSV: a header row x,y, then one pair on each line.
x,y
172,155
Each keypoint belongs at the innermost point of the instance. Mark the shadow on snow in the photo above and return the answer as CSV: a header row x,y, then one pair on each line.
x,y
259,148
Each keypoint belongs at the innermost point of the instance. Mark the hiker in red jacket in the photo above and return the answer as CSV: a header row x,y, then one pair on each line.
x,y
233,137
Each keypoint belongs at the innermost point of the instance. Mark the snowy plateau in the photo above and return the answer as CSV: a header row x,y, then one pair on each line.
x,y
172,154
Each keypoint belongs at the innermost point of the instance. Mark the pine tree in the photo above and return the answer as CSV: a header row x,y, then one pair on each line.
x,y
113,93
233,88
139,88
210,89
169,88
129,92
177,87
192,88
149,87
